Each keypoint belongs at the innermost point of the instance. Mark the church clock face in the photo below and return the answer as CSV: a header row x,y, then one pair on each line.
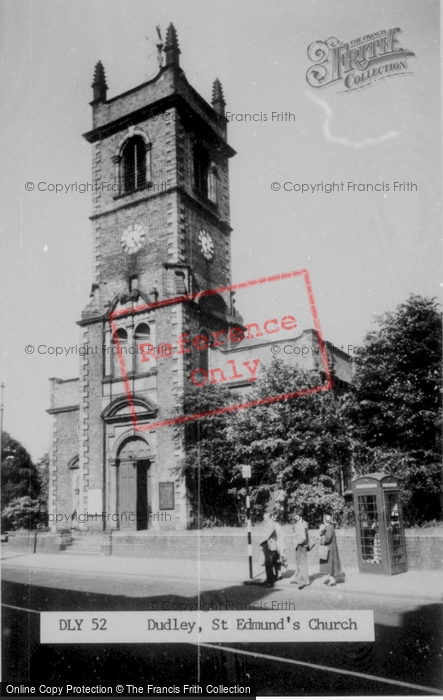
x,y
133,238
206,244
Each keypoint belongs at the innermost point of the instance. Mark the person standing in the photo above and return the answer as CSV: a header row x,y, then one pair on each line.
x,y
269,547
331,568
301,543
281,546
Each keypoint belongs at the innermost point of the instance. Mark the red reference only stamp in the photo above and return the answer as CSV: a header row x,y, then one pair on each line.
x,y
186,341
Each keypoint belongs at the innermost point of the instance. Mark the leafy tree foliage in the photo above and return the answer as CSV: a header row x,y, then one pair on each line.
x,y
19,474
24,485
396,403
24,513
43,476
209,461
390,421
295,447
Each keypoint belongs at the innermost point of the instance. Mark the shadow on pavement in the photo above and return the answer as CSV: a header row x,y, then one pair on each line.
x,y
410,652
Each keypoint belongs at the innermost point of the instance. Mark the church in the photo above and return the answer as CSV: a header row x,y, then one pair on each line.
x,y
161,245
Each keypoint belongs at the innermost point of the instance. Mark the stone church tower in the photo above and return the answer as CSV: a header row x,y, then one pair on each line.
x,y
161,239
160,224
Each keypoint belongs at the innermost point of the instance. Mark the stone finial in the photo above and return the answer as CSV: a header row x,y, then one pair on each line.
x,y
99,83
171,49
218,100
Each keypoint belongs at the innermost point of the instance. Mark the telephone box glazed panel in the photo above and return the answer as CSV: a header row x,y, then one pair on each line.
x,y
381,545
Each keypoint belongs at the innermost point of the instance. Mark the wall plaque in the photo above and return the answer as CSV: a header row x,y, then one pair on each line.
x,y
166,495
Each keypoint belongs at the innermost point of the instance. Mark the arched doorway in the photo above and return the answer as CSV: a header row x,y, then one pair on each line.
x,y
134,492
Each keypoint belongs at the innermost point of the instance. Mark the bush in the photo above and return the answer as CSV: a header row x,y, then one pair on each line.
x,y
24,513
316,500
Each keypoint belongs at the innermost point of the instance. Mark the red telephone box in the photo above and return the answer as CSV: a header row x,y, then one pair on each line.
x,y
381,542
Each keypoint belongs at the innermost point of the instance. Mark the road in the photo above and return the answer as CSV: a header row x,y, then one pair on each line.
x,y
405,659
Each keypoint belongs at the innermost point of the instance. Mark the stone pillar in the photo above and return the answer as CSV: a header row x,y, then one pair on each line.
x,y
113,495
108,351
148,163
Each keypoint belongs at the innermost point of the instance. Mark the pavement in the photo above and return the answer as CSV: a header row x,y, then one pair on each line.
x,y
411,585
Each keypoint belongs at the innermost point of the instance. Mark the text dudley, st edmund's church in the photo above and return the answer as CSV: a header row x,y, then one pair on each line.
x,y
151,244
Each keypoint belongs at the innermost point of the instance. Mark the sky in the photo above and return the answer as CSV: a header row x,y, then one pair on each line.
x,y
365,251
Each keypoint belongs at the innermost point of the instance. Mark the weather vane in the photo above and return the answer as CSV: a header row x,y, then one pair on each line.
x,y
159,46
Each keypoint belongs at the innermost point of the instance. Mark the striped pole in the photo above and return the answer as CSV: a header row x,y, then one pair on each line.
x,y
248,517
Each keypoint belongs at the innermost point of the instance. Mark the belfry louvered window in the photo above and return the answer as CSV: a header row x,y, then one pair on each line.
x,y
201,170
134,161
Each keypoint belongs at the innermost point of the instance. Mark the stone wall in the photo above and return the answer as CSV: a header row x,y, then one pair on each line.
x,y
64,446
39,542
424,547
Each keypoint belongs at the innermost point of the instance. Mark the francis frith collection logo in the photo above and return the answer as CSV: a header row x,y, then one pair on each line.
x,y
358,63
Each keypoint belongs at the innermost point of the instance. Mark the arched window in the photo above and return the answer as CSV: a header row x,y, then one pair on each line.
x,y
120,338
133,166
212,183
142,335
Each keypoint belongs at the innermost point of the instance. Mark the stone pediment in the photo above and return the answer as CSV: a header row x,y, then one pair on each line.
x,y
120,409
127,300
120,303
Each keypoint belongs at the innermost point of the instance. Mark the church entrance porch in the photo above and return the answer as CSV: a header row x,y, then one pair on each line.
x,y
134,485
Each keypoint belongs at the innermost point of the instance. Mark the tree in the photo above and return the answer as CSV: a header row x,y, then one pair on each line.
x,y
396,403
296,448
210,454
24,513
24,486
43,477
19,474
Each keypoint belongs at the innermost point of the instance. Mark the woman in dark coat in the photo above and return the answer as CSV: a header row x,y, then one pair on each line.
x,y
331,568
269,539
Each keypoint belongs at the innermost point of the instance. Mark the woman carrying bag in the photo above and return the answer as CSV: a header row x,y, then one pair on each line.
x,y
328,552
301,545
